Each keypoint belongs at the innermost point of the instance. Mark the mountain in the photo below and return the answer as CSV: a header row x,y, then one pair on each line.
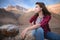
x,y
17,7
20,8
54,8
11,14
7,17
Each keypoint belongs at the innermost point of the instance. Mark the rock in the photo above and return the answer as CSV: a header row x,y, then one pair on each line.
x,y
9,30
28,36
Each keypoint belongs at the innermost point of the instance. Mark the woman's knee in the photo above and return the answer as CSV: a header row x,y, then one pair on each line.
x,y
40,30
33,32
40,33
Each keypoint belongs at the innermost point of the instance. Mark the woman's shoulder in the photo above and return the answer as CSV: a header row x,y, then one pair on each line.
x,y
47,16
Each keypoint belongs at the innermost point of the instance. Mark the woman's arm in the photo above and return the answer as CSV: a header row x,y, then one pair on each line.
x,y
31,24
44,22
29,28
33,27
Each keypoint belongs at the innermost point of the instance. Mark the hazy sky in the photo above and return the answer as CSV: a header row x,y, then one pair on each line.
x,y
26,3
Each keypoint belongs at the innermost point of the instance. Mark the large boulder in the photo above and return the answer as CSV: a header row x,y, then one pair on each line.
x,y
9,30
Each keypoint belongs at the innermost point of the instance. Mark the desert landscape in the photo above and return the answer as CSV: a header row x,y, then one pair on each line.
x,y
15,15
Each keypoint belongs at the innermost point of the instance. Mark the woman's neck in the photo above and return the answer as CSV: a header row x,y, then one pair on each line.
x,y
40,14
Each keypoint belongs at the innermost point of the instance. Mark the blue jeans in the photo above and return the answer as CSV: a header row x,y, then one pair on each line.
x,y
39,35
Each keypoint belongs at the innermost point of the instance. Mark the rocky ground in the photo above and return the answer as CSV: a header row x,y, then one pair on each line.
x,y
28,36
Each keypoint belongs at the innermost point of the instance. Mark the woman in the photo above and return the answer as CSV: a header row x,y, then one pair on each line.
x,y
40,29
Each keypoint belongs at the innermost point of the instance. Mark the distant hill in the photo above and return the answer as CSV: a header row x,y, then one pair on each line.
x,y
7,17
15,8
11,14
54,8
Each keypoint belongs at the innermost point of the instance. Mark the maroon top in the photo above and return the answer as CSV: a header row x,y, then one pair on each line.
x,y
44,23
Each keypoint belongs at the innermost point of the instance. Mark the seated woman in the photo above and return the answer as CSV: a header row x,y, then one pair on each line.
x,y
41,20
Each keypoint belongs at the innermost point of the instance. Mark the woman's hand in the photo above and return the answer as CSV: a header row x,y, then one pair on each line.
x,y
23,34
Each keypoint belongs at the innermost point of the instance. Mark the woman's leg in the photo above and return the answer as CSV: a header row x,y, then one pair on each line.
x,y
52,36
39,34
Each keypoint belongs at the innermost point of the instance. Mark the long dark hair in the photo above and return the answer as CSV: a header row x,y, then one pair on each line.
x,y
44,9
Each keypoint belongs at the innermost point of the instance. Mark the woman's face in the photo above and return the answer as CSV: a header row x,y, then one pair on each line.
x,y
37,8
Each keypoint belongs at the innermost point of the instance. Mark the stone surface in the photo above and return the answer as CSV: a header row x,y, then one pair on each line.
x,y
8,31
